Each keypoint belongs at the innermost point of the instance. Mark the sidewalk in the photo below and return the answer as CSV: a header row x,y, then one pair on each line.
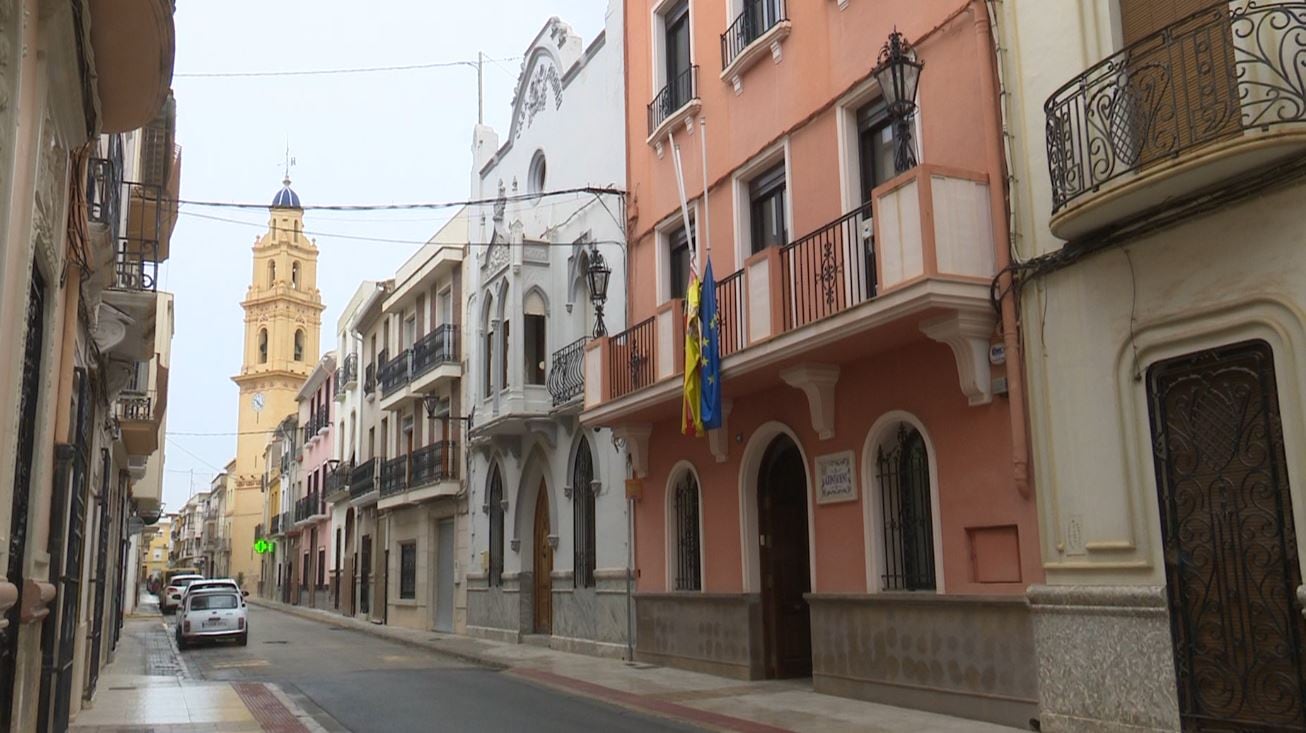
x,y
147,688
718,703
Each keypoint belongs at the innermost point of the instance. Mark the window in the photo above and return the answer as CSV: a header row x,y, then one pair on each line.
x,y
262,346
294,275
582,498
536,336
408,570
766,206
538,174
214,602
678,244
906,516
410,332
676,38
304,576
688,567
874,147
272,273
494,507
488,351
503,361
444,306
321,567
299,344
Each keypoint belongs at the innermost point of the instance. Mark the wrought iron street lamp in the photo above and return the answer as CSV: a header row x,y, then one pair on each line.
x,y
597,276
898,71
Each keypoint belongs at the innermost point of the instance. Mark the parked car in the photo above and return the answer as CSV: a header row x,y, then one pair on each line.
x,y
213,584
171,597
210,615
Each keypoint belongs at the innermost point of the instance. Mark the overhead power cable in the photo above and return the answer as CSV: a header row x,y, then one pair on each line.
x,y
596,190
325,72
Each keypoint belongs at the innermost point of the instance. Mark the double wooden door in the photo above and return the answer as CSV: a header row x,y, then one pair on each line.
x,y
784,555
543,564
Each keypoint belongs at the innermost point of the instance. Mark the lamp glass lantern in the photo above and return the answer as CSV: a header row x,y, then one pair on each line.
x,y
898,72
597,276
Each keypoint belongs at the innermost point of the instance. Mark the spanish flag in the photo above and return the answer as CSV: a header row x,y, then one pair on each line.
x,y
691,416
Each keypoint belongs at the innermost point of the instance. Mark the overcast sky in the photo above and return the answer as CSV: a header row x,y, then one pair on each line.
x,y
357,138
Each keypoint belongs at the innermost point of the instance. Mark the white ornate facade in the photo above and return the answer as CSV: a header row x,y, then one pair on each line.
x,y
549,542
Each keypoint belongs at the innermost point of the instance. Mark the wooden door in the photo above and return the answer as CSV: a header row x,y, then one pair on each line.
x,y
543,564
786,574
1232,569
1177,90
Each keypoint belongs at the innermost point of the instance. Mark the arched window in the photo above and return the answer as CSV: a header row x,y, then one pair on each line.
x,y
294,275
299,344
538,176
494,507
583,489
536,335
684,501
262,346
272,273
906,512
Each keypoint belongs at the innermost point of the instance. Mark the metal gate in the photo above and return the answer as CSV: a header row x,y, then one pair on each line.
x,y
101,575
31,385
364,573
1230,551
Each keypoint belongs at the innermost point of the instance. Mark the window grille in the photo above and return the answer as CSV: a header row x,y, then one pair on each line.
x,y
907,522
408,570
494,501
688,565
582,499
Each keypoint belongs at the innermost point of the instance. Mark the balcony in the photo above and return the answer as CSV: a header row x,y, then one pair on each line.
x,y
139,415
760,28
363,481
915,264
275,525
677,102
337,483
104,191
346,377
310,508
369,381
394,374
1197,106
436,357
430,472
566,379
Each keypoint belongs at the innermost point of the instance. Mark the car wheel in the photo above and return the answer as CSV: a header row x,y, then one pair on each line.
x,y
182,644
243,639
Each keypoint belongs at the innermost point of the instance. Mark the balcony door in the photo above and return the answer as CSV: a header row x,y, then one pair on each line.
x,y
676,22
1175,91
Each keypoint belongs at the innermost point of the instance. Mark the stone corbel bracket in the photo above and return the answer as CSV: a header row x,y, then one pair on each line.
x,y
636,439
8,597
817,381
968,334
36,601
545,430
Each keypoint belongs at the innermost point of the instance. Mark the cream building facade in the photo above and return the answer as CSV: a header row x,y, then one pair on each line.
x,y
1157,184
283,318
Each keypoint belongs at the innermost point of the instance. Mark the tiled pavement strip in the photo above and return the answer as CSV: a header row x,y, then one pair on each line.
x,y
715,703
147,689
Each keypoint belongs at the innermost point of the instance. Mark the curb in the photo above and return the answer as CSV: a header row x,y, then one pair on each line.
x,y
379,631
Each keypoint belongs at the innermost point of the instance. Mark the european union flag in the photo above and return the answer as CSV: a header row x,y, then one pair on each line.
x,y
710,322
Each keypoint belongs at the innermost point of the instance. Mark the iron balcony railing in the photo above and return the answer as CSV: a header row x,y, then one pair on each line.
x,y
432,463
362,479
274,525
310,506
285,462
1229,69
757,17
394,475
369,379
136,265
631,357
338,479
678,92
350,371
135,407
395,373
730,312
435,348
827,271
104,187
567,374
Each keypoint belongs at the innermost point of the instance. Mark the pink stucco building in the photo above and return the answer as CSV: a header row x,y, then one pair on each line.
x,y
862,517
309,529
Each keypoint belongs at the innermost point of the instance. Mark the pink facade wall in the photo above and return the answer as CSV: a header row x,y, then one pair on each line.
x,y
316,456
971,449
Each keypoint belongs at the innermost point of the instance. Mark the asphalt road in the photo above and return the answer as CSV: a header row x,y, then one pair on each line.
x,y
355,682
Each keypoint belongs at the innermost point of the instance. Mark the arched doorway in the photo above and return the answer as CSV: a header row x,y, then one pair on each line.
x,y
543,563
784,560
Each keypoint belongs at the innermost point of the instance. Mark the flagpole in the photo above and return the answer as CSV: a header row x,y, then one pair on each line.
x,y
707,216
684,202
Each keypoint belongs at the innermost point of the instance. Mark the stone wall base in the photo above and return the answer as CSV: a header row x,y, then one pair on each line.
x,y
1105,659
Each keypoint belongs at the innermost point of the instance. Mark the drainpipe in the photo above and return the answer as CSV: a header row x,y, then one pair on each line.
x,y
995,133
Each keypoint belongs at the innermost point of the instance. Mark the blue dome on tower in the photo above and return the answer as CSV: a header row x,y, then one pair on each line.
x,y
286,198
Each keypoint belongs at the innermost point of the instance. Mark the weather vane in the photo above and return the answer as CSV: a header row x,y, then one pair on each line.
x,y
290,161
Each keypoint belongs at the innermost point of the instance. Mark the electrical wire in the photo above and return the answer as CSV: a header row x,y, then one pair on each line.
x,y
190,453
516,197
325,72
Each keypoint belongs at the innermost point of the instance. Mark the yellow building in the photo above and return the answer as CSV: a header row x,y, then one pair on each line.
x,y
154,553
283,317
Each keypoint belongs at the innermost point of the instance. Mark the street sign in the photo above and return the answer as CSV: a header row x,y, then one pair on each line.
x,y
262,546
